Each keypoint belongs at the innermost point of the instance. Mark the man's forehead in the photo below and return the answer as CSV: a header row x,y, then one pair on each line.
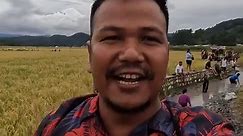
x,y
135,4
128,6
113,15
127,1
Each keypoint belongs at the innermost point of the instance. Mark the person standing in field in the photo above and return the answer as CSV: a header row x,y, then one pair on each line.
x,y
184,99
224,64
128,58
206,75
233,63
217,69
189,58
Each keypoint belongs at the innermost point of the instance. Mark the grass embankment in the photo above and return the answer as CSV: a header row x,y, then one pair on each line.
x,y
32,83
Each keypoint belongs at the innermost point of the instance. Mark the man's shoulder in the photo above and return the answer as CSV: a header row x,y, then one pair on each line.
x,y
70,110
195,120
72,103
193,113
202,121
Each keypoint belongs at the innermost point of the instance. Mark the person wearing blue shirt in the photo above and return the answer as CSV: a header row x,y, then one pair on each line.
x,y
235,78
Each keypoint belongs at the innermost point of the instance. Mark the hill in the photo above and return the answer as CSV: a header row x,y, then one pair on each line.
x,y
8,35
228,32
77,39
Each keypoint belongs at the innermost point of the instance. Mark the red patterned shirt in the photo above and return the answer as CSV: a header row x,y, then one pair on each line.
x,y
80,117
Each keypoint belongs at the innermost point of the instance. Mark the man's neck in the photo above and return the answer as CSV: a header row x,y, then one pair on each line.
x,y
120,124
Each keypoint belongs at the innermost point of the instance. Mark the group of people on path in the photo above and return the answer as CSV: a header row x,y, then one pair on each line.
x,y
184,99
219,69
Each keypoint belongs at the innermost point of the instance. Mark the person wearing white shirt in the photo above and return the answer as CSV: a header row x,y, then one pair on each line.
x,y
224,64
179,68
189,58
233,63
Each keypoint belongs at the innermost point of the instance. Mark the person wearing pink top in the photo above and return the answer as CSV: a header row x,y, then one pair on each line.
x,y
184,99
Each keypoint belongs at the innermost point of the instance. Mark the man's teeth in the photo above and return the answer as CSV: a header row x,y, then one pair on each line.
x,y
129,79
129,76
128,83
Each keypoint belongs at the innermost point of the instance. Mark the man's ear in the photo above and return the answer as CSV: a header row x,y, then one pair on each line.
x,y
90,59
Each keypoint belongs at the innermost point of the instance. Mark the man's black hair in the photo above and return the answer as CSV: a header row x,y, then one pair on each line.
x,y
184,91
97,3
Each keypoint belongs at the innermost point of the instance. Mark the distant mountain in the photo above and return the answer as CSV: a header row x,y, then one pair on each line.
x,y
8,35
228,32
77,39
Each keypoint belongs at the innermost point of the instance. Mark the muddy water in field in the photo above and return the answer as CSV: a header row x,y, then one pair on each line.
x,y
215,86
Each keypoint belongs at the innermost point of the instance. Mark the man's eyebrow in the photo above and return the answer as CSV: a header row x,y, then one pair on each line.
x,y
152,29
111,28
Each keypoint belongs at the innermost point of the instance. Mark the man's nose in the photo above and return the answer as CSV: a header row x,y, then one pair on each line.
x,y
131,52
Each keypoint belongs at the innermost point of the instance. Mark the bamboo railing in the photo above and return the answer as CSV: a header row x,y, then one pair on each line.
x,y
172,82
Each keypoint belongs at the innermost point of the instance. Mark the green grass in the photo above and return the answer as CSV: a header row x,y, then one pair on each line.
x,y
32,83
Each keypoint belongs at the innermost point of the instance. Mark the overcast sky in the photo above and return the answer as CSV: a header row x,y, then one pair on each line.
x,y
47,17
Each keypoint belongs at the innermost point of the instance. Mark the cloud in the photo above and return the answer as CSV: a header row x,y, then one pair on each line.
x,y
202,13
38,17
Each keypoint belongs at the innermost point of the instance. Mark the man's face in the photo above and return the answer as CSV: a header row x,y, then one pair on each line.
x,y
129,52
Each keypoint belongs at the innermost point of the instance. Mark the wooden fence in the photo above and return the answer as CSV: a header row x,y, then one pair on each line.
x,y
177,81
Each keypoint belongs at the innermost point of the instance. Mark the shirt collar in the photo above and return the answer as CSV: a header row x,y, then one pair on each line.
x,y
160,122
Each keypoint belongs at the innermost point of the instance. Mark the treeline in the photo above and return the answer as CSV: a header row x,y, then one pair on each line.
x,y
77,39
227,33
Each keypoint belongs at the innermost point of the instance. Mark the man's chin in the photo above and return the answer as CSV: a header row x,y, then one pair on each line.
x,y
127,108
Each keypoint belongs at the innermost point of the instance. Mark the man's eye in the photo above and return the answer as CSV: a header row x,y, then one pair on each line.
x,y
110,38
150,39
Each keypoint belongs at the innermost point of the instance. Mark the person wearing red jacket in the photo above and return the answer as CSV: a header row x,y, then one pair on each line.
x,y
128,55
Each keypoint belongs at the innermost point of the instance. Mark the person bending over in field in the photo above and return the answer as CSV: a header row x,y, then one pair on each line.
x,y
128,57
234,79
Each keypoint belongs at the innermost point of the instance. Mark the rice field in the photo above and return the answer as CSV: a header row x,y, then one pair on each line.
x,y
32,83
